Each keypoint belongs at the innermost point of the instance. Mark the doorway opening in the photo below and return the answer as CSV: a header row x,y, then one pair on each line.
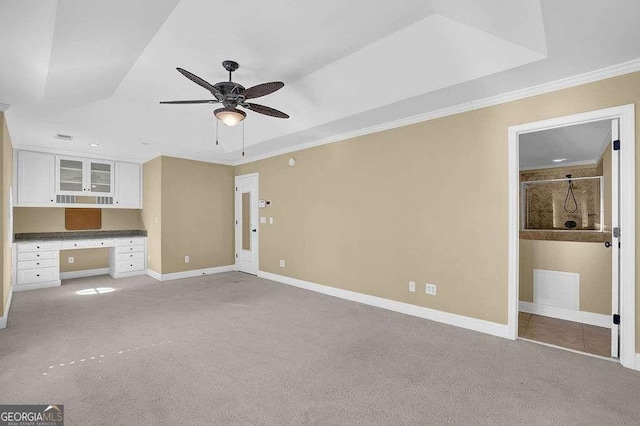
x,y
246,223
572,233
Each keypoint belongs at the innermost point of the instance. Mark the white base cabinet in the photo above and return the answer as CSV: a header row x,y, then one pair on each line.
x,y
37,264
128,257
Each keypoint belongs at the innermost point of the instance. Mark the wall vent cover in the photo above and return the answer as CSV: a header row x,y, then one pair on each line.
x,y
64,137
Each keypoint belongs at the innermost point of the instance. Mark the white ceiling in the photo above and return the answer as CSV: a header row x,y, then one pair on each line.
x,y
96,70
577,144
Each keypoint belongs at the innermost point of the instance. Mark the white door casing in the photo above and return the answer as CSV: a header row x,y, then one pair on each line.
x,y
246,223
626,218
615,237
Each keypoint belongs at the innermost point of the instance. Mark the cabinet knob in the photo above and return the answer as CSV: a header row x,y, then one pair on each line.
x,y
37,255
37,247
37,275
37,263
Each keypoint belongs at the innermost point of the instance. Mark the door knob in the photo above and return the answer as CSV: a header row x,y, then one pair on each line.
x,y
607,244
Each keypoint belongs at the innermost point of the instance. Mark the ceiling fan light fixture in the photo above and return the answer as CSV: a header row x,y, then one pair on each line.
x,y
230,116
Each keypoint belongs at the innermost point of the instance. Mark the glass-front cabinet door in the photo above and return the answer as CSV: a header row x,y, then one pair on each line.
x,y
70,175
100,177
79,176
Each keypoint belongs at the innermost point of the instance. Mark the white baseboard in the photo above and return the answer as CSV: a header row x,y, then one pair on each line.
x,y
154,274
5,313
36,286
82,274
488,327
583,317
637,362
128,274
191,273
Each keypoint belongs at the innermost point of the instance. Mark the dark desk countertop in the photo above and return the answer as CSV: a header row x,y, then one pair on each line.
x,y
77,235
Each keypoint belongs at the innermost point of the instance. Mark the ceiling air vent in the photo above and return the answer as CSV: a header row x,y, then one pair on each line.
x,y
64,137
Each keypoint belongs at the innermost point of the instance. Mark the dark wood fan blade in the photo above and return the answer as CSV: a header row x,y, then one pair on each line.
x,y
262,89
261,109
203,101
210,87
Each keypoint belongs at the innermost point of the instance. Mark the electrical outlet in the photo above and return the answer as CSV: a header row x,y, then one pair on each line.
x,y
186,259
263,219
71,259
282,263
431,289
412,286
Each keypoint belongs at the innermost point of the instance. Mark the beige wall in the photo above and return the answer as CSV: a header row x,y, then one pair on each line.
x,y
6,180
51,219
84,259
197,215
426,202
152,212
591,260
45,219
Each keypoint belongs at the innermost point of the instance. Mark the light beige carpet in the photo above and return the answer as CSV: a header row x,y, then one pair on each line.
x,y
236,349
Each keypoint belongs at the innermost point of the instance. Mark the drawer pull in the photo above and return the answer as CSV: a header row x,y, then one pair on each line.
x,y
37,263
37,275
37,247
37,255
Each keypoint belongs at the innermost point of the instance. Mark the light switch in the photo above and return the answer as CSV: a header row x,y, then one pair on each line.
x,y
71,259
270,221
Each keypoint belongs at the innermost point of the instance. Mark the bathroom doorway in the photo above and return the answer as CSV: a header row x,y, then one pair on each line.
x,y
566,214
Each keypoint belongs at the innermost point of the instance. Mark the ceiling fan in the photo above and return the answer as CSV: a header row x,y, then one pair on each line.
x,y
233,95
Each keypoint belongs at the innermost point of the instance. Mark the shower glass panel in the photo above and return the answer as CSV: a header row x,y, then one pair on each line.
x,y
563,204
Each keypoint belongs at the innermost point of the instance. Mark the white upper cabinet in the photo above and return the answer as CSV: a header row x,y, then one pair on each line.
x,y
80,176
47,180
128,185
35,184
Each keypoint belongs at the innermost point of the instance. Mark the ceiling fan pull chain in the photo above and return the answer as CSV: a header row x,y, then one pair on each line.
x,y
217,132
243,138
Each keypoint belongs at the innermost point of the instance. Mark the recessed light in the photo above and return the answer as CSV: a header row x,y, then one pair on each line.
x,y
559,160
145,143
94,144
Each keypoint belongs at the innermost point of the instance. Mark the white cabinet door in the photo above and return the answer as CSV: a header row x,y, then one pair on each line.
x,y
99,178
70,176
128,185
36,172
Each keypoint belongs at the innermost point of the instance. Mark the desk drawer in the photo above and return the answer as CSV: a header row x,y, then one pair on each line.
x,y
102,243
40,263
130,265
24,247
129,249
75,244
130,256
130,242
35,255
29,276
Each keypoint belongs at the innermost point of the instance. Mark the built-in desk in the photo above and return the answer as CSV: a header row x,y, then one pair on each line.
x,y
36,257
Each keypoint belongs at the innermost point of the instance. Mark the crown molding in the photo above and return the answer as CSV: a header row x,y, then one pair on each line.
x,y
76,153
564,83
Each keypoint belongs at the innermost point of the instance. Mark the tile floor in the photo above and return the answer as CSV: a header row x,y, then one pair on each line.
x,y
568,334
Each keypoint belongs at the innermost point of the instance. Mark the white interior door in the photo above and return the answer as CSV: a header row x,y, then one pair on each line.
x,y
615,238
246,221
